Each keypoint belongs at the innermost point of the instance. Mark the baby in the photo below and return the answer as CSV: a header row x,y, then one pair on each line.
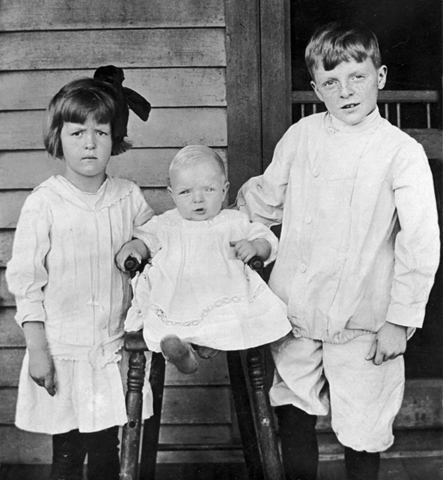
x,y
197,292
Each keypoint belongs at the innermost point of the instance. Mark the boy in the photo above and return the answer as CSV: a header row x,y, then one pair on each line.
x,y
358,253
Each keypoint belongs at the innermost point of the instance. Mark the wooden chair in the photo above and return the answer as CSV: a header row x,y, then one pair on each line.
x,y
251,400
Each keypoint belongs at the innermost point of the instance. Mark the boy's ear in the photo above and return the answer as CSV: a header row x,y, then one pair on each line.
x,y
314,86
382,75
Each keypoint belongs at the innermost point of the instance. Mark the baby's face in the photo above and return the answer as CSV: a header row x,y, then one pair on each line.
x,y
350,90
198,190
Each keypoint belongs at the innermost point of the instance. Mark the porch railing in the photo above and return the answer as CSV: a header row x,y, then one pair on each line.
x,y
393,105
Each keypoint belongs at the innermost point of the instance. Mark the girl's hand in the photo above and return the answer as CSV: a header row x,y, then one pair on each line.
x,y
41,369
135,248
390,342
41,365
246,249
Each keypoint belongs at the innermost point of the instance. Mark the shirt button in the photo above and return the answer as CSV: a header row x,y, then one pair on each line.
x,y
316,173
330,130
308,219
302,268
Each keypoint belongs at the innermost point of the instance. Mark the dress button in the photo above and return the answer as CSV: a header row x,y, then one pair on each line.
x,y
316,173
302,268
308,219
330,130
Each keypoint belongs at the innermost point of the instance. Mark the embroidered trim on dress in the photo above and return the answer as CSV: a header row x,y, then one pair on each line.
x,y
219,303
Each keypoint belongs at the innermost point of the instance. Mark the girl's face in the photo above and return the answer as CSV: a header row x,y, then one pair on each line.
x,y
198,190
86,152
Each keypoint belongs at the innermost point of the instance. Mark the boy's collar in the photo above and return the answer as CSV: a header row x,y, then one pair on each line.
x,y
334,125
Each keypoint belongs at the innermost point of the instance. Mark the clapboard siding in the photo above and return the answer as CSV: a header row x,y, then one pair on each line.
x,y
11,334
164,87
6,239
87,14
146,167
130,48
166,127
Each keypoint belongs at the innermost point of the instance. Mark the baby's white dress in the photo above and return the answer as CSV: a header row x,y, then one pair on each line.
x,y
63,273
198,289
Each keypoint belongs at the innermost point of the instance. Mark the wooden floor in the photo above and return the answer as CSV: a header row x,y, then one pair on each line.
x,y
420,468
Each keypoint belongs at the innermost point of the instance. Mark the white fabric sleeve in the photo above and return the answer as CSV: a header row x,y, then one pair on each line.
x,y
147,233
142,211
258,230
262,198
417,245
26,274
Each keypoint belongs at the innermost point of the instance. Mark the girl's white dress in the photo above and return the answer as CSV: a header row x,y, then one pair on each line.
x,y
63,273
198,289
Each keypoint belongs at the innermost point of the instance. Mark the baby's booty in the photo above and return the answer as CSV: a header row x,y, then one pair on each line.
x,y
179,353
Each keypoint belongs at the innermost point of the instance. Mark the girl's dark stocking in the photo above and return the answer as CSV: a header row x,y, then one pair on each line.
x,y
299,442
103,454
361,465
68,456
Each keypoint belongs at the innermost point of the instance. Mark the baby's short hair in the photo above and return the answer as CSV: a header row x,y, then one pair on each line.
x,y
76,102
339,42
193,154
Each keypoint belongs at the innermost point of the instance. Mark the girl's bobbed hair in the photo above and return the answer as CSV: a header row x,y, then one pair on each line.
x,y
76,102
339,42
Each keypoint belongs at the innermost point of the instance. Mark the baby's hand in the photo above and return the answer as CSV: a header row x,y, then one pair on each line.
x,y
245,250
41,369
136,249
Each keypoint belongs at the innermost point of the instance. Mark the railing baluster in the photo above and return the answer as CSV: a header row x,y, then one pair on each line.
x,y
309,104
387,111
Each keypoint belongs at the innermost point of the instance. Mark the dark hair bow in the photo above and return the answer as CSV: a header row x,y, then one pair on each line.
x,y
125,98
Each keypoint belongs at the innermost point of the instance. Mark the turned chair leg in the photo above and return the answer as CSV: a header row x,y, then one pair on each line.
x,y
151,428
131,431
245,416
267,437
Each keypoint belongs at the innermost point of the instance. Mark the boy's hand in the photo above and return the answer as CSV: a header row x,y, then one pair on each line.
x,y
389,343
41,369
246,249
135,248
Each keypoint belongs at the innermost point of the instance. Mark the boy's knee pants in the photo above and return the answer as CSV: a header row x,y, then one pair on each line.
x,y
364,398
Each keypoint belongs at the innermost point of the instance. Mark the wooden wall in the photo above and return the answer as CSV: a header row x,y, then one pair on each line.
x,y
173,53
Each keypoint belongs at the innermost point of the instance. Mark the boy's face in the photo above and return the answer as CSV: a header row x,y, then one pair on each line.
x,y
198,190
350,90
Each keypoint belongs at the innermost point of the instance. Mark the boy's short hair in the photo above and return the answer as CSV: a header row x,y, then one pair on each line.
x,y
192,154
76,102
339,42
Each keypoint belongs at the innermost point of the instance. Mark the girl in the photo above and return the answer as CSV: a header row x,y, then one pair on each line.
x,y
198,289
71,299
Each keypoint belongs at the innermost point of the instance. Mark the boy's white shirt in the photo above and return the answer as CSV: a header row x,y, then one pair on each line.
x,y
360,237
